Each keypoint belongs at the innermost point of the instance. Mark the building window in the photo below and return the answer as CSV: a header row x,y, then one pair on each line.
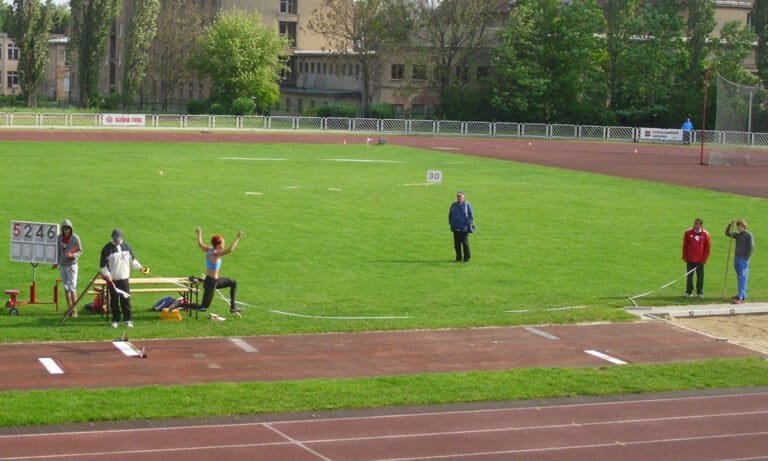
x,y
288,105
288,6
397,72
13,79
13,52
419,72
483,72
749,20
288,29
462,74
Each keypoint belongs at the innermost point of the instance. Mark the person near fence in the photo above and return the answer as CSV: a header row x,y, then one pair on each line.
x,y
744,247
116,262
696,247
213,255
462,221
69,250
687,130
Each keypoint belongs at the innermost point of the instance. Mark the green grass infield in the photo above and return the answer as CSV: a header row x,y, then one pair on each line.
x,y
350,237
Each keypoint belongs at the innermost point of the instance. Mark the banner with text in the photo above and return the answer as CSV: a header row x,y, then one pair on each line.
x,y
661,134
123,119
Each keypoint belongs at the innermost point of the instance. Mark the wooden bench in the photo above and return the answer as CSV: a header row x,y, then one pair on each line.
x,y
187,287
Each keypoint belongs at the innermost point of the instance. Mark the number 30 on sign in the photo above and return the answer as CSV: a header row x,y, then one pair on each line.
x,y
434,176
34,242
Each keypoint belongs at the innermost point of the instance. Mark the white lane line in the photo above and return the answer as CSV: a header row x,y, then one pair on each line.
x,y
573,447
126,348
607,357
337,440
253,193
239,342
360,160
51,366
296,442
253,158
705,399
541,333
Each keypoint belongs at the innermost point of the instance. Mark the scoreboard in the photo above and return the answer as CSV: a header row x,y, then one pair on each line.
x,y
34,242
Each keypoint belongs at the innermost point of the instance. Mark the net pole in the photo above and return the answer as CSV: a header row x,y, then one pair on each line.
x,y
704,116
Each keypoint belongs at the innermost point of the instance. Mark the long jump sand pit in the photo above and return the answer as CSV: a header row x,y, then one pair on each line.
x,y
747,330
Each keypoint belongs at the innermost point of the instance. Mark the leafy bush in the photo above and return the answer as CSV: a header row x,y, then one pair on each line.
x,y
111,102
197,107
382,110
243,106
217,108
337,110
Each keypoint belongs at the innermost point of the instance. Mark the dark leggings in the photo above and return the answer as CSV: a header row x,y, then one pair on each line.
x,y
210,285
117,303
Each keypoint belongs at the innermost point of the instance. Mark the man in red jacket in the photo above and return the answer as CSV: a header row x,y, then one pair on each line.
x,y
696,243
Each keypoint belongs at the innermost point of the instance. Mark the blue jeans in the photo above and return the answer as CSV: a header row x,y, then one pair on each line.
x,y
741,266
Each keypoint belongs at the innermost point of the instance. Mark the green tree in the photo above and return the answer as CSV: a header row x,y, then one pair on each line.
x,y
363,31
61,17
699,28
5,17
30,28
651,67
141,32
760,26
618,15
455,32
550,64
242,58
730,49
91,25
178,28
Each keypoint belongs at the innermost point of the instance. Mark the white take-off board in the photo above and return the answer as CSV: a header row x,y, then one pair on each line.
x,y
34,242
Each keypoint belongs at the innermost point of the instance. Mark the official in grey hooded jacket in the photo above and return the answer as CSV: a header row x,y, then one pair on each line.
x,y
69,250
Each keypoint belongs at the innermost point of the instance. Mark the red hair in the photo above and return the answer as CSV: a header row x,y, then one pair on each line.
x,y
216,240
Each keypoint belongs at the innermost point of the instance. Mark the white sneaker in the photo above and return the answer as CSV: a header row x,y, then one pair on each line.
x,y
114,325
129,324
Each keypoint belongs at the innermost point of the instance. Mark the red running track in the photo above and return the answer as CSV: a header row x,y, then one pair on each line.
x,y
730,426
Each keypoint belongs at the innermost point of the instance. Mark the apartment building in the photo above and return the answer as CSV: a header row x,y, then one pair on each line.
x,y
56,79
315,76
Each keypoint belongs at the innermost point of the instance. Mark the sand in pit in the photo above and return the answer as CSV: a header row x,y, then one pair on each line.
x,y
747,330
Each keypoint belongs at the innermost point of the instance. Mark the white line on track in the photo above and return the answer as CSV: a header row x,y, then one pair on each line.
x,y
541,333
126,348
604,356
304,442
296,442
51,366
573,447
668,400
239,342
253,193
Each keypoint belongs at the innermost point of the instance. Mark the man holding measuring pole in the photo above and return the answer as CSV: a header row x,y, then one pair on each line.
x,y
696,247
744,247
69,250
116,263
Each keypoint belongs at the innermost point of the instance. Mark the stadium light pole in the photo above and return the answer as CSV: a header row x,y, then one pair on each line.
x,y
707,75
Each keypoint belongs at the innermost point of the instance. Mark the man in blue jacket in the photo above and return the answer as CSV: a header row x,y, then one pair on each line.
x,y
461,220
687,130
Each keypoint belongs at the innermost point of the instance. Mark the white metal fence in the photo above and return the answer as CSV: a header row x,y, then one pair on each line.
x,y
371,126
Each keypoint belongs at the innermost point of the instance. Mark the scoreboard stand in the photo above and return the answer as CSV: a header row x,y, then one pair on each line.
x,y
33,243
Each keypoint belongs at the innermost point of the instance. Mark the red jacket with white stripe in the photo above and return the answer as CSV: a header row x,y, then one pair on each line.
x,y
696,246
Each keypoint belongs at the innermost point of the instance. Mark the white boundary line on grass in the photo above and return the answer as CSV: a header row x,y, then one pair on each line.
x,y
320,317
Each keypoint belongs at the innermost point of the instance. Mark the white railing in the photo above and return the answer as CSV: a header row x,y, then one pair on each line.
x,y
370,126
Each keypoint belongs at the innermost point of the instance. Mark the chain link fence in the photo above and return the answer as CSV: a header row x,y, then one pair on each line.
x,y
373,126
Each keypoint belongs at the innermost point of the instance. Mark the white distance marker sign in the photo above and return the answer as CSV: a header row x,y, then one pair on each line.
x,y
34,242
434,176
